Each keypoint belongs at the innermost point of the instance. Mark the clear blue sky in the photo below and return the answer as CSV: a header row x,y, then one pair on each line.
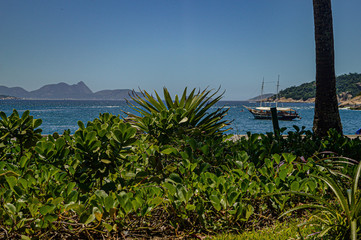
x,y
154,43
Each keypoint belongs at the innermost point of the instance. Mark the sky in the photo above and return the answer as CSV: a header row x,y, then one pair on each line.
x,y
151,44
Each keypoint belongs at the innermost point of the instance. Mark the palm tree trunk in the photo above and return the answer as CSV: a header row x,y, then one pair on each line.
x,y
326,105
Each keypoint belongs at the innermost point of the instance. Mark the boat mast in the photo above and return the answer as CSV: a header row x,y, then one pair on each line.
x,y
262,93
278,85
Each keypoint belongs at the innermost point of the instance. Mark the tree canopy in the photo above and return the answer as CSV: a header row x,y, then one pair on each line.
x,y
346,83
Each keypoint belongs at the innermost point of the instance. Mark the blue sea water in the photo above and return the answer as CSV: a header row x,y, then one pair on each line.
x,y
60,115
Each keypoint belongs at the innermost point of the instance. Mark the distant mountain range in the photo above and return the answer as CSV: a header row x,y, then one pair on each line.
x,y
78,91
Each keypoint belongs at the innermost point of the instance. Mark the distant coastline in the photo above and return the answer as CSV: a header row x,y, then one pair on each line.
x,y
64,91
350,103
6,97
290,100
348,87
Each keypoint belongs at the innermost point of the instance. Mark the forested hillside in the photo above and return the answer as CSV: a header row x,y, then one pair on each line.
x,y
304,91
346,83
350,83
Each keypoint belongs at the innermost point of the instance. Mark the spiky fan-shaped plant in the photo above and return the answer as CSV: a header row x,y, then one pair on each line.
x,y
339,218
189,115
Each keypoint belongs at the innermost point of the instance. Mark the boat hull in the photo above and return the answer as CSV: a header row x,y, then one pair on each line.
x,y
266,114
269,117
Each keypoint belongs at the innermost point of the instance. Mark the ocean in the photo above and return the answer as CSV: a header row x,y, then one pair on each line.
x,y
60,115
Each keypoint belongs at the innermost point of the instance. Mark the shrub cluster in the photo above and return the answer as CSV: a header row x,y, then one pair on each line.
x,y
113,179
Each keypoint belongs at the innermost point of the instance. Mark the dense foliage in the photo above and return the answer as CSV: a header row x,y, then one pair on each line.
x,y
110,180
302,92
349,83
346,83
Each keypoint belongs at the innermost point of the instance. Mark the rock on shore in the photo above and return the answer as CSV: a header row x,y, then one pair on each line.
x,y
290,100
354,103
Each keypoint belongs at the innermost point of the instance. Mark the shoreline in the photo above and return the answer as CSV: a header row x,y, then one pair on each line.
x,y
353,103
237,137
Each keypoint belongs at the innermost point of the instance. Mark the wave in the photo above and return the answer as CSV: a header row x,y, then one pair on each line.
x,y
103,107
48,110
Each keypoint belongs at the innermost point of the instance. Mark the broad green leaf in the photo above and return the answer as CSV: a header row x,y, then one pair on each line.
x,y
37,122
69,188
24,237
289,158
60,142
109,203
89,218
81,125
25,115
11,180
205,149
171,188
19,191
277,158
283,174
295,186
249,211
137,203
169,150
215,202
83,178
23,182
175,178
46,209
57,201
3,116
50,218
271,187
101,194
190,207
182,193
10,207
108,227
311,184
156,201
97,214
23,161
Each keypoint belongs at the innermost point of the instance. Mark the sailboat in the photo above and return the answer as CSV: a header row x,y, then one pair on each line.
x,y
264,112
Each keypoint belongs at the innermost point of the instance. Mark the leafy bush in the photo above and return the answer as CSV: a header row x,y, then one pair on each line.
x,y
18,134
108,180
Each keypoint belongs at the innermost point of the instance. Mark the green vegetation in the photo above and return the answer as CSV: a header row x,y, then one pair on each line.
x,y
340,220
278,231
189,115
115,179
350,83
302,92
346,83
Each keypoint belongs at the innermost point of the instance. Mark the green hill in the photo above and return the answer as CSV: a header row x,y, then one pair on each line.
x,y
346,83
